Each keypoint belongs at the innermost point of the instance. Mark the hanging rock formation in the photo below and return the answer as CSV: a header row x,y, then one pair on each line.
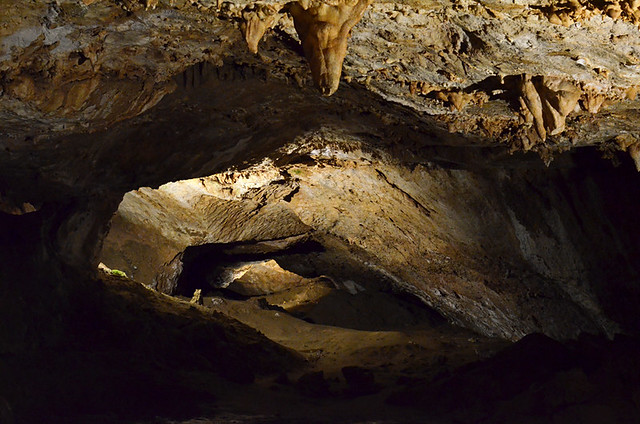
x,y
258,18
324,30
323,27
546,102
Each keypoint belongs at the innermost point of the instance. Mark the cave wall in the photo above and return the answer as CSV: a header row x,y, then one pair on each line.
x,y
506,251
436,104
147,95
414,167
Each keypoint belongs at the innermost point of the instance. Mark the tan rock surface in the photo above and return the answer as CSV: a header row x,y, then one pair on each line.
x,y
420,177
450,237
261,278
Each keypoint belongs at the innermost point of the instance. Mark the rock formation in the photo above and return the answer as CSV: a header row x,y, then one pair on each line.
x,y
324,30
258,19
472,181
547,101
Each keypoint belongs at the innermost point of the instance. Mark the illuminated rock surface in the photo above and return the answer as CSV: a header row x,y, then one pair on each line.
x,y
382,254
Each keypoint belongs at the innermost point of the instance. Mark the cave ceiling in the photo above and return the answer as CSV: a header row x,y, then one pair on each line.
x,y
92,90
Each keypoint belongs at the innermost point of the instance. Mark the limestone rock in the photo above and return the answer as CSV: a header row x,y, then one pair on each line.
x,y
197,297
302,297
324,30
258,18
170,223
546,102
372,205
417,173
261,278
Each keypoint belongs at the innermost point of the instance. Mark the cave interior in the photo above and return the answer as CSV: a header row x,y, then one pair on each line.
x,y
323,211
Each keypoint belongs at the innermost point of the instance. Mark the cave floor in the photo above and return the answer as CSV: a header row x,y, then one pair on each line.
x,y
387,355
133,354
415,351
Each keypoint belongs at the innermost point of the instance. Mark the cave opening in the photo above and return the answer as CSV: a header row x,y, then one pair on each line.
x,y
362,334
313,253
439,240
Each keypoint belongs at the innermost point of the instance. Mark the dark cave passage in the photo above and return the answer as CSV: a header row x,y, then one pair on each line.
x,y
515,256
190,233
313,281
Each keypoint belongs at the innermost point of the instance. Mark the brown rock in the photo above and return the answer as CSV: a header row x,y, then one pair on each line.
x,y
257,20
324,30
197,297
546,102
261,278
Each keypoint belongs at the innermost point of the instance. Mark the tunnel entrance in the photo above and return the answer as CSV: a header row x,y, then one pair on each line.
x,y
360,335
305,280
401,286
503,252
239,244
358,332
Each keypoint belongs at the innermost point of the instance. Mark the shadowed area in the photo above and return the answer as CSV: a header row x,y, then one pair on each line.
x,y
190,232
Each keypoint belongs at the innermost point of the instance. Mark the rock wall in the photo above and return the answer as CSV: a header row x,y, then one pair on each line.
x,y
413,169
501,251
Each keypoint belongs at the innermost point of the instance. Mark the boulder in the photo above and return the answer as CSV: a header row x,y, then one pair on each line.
x,y
261,278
